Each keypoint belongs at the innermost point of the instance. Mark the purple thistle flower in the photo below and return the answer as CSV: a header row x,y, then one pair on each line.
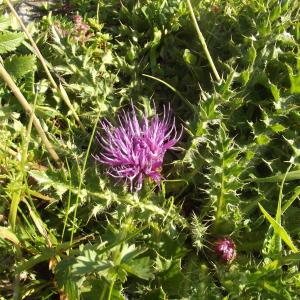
x,y
134,150
225,248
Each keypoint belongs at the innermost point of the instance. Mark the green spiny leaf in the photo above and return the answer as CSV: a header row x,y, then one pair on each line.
x,y
51,179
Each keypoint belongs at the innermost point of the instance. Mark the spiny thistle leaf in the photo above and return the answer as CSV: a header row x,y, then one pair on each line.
x,y
198,232
51,179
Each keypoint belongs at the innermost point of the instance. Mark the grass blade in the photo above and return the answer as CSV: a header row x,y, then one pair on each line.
x,y
189,104
290,176
7,234
279,230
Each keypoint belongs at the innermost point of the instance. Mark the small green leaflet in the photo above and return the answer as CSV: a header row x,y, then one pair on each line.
x,y
9,41
140,267
4,22
18,66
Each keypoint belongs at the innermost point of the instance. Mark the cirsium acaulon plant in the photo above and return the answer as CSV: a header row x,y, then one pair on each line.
x,y
135,149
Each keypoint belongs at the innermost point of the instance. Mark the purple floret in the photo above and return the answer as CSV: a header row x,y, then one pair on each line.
x,y
134,150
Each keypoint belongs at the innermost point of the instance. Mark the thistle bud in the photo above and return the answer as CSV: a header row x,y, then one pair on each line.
x,y
225,249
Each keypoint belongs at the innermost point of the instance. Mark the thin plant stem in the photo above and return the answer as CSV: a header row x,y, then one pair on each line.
x,y
32,229
8,150
98,10
202,41
17,285
220,203
17,198
81,175
68,202
279,210
111,289
189,104
28,109
60,90
102,295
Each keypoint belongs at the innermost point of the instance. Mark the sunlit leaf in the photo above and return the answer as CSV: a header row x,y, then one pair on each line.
x,y
279,230
9,41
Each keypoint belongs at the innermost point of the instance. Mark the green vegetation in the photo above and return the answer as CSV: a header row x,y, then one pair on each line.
x,y
68,230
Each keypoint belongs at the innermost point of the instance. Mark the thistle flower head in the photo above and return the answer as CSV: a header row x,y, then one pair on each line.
x,y
225,249
135,149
